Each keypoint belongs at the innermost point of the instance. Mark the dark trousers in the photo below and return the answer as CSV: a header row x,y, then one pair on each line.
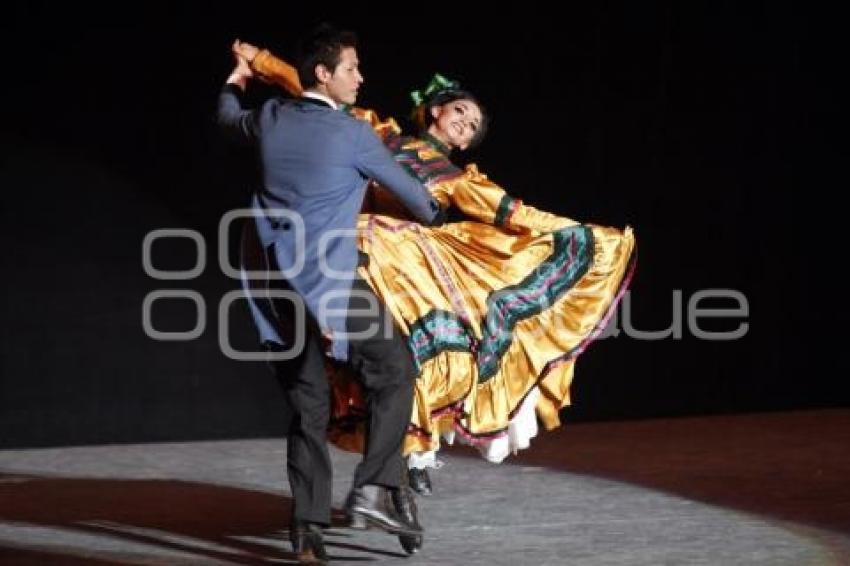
x,y
384,367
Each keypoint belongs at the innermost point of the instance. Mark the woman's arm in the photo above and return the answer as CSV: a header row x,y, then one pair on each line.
x,y
272,69
484,200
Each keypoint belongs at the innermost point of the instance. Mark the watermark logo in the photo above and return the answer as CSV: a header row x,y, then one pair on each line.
x,y
691,315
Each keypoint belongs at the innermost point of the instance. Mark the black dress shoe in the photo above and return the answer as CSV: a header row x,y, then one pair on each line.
x,y
405,505
307,543
371,505
419,481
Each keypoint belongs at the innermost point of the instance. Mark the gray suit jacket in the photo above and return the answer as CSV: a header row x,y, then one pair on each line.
x,y
316,164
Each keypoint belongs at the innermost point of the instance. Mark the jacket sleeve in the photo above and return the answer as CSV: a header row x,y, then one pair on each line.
x,y
374,161
482,199
236,122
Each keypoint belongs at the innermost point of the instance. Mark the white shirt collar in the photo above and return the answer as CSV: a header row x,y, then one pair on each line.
x,y
322,97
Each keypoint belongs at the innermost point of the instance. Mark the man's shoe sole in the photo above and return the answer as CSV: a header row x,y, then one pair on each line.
x,y
361,520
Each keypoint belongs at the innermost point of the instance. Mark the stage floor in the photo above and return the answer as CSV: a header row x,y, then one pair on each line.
x,y
768,488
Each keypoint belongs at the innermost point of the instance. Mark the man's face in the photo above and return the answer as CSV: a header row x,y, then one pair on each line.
x,y
342,84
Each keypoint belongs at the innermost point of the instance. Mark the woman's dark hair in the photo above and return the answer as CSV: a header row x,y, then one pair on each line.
x,y
322,46
423,118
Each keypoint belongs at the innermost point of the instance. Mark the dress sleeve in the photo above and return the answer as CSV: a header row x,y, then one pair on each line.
x,y
277,71
484,200
384,128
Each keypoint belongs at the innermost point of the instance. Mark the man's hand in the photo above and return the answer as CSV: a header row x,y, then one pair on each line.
x,y
245,50
440,218
242,70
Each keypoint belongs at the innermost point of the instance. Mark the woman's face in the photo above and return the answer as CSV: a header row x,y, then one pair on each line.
x,y
456,122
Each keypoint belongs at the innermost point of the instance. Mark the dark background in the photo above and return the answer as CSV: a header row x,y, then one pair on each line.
x,y
702,125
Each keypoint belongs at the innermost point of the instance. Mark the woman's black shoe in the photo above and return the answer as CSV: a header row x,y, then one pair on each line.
x,y
419,481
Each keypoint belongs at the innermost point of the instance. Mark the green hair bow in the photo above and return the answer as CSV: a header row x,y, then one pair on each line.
x,y
438,84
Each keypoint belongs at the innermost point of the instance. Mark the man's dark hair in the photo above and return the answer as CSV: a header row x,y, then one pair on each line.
x,y
322,46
